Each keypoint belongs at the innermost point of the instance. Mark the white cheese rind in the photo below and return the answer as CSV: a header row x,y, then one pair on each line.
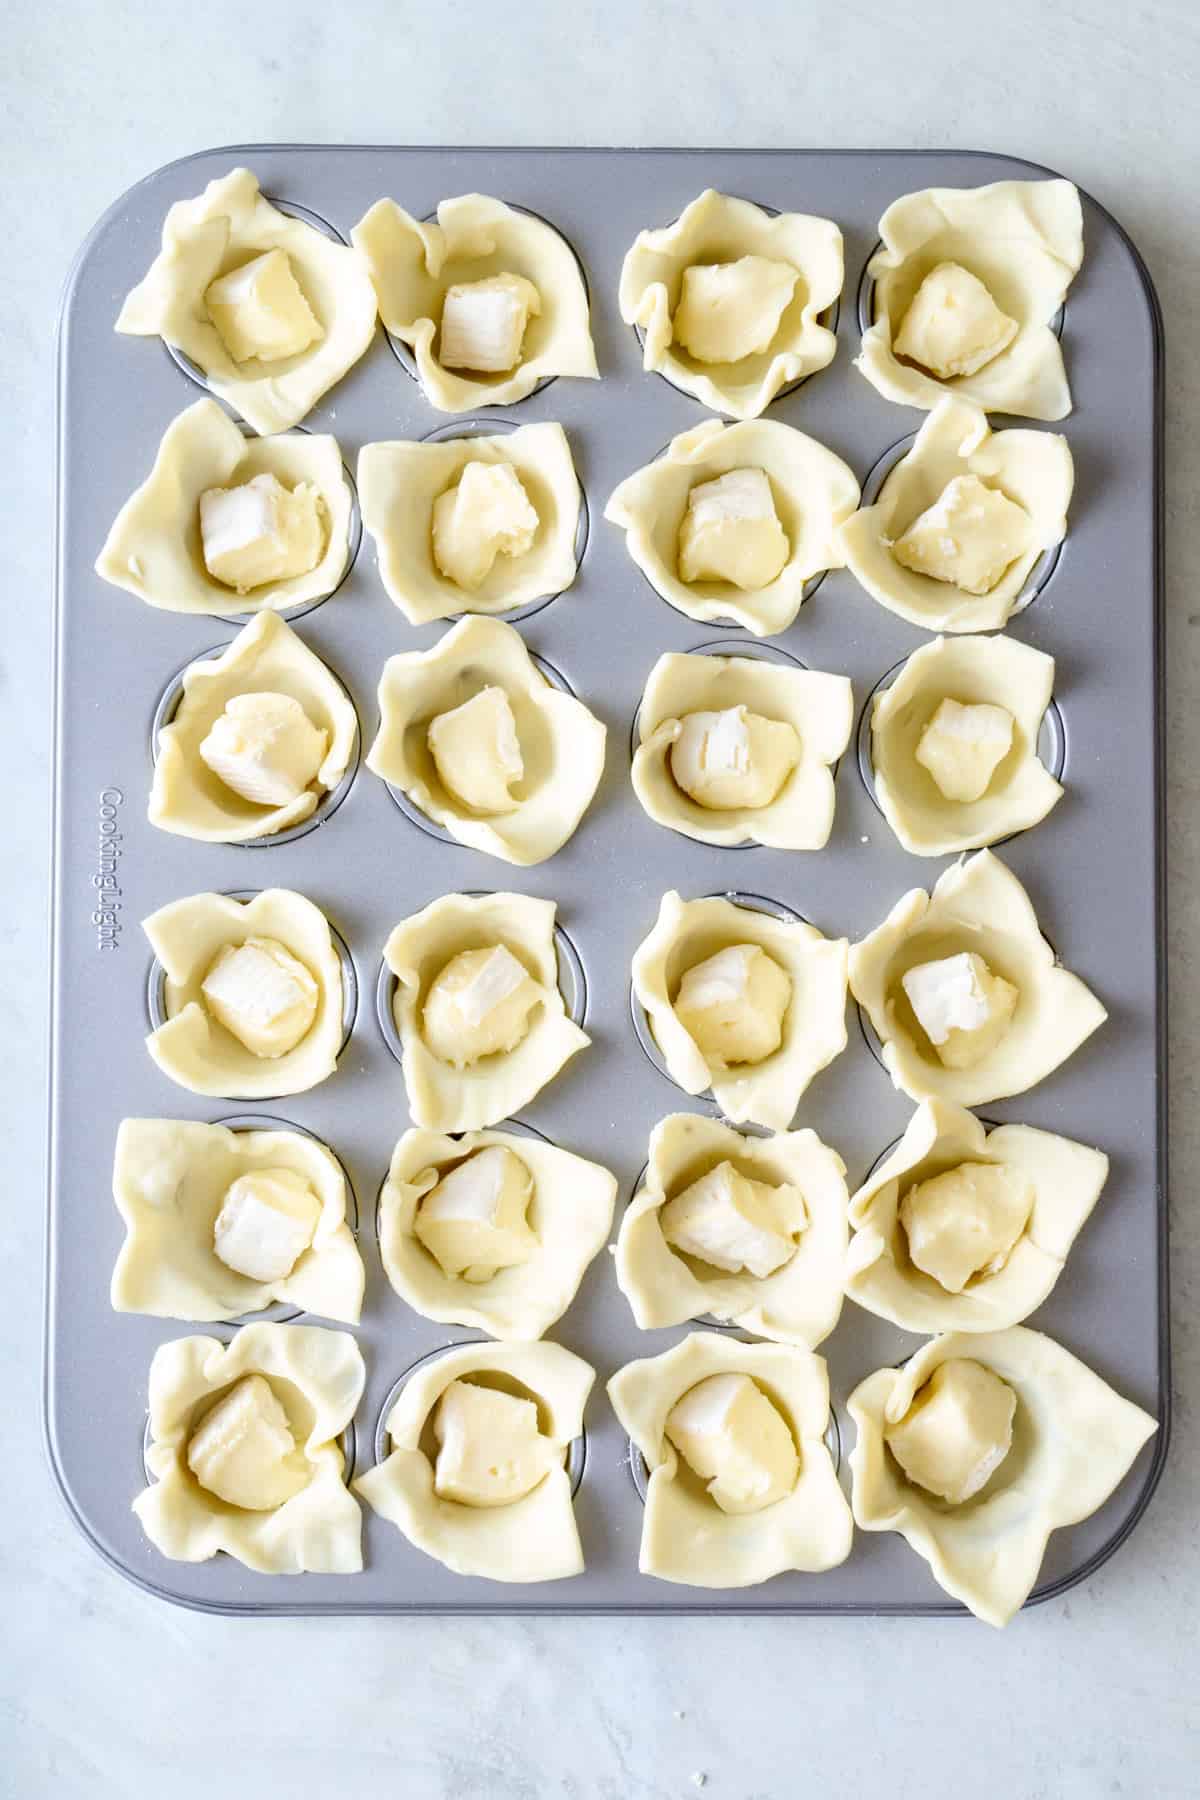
x,y
963,1009
736,1440
479,1005
968,537
267,1221
953,326
260,310
490,1449
243,1450
962,747
483,323
262,994
732,532
477,753
732,1222
261,532
733,759
964,1222
730,310
264,747
473,1222
733,1003
957,1431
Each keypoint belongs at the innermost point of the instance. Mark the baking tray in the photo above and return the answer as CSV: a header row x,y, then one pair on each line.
x,y
1094,869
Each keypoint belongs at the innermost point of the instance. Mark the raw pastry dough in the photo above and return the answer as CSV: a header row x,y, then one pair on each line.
x,y
819,708
561,743
1024,241
717,228
799,1302
191,1047
413,262
154,550
440,1096
973,671
977,906
685,1535
688,932
265,657
399,484
318,1376
1032,468
1074,1440
1066,1180
222,229
170,1179
532,1539
570,1213
813,491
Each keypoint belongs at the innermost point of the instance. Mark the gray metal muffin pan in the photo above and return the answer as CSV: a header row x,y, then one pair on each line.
x,y
1094,867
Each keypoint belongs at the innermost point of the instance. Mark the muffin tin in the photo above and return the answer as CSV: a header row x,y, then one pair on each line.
x,y
1094,869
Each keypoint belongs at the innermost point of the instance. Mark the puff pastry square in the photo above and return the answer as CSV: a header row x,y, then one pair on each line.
x,y
227,225
319,1376
1024,241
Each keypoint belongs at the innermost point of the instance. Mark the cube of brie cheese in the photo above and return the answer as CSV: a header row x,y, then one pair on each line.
x,y
968,537
260,310
953,326
244,1451
473,1222
730,310
733,760
490,1449
265,748
732,1005
957,1431
483,323
962,747
485,515
267,1221
963,1009
731,532
965,1222
736,1440
261,532
735,1223
479,1005
262,994
477,753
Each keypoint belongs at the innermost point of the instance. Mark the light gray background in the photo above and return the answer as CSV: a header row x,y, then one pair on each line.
x,y
104,1691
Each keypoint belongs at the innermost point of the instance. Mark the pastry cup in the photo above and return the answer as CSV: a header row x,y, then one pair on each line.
x,y
266,656
225,226
820,709
197,1052
978,904
170,1178
570,1211
399,482
1032,468
801,1302
562,743
972,670
719,228
413,261
441,1097
813,491
1024,241
318,1376
685,1535
687,932
154,548
1074,1440
1067,1179
531,1539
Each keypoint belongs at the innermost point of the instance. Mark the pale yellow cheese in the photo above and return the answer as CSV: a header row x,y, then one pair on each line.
x,y
477,753
735,1223
243,1449
957,1431
731,532
486,514
260,310
962,747
730,310
261,532
265,748
267,1221
963,1009
490,1450
733,759
953,326
732,1004
473,1222
965,1221
483,323
479,1005
262,994
736,1440
968,537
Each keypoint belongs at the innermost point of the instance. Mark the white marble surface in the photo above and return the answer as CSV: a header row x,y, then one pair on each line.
x,y
104,1692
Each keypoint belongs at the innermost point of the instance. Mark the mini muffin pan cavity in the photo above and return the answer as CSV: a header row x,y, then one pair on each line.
x,y
1092,867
